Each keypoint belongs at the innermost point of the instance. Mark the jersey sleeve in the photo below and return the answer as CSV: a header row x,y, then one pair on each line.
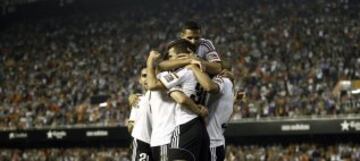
x,y
220,83
172,79
208,52
133,113
176,88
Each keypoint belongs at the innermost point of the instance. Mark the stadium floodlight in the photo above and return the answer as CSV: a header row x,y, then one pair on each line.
x,y
345,84
356,91
104,104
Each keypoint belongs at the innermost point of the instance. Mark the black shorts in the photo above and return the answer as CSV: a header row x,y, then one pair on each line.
x,y
193,138
218,153
160,153
141,151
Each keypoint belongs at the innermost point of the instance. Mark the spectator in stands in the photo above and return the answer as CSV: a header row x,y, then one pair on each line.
x,y
287,64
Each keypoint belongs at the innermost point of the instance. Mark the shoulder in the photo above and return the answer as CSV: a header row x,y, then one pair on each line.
x,y
206,43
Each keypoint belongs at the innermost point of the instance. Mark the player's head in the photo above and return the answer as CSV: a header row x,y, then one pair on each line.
x,y
191,31
177,47
142,79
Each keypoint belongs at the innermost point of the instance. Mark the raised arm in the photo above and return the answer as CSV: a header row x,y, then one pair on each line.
x,y
152,81
213,68
173,64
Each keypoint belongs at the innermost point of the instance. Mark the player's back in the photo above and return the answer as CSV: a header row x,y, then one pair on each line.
x,y
163,118
220,109
182,114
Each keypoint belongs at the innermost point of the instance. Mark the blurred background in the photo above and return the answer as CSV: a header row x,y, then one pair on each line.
x,y
297,60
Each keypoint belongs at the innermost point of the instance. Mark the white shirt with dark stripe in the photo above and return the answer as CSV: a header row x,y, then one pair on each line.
x,y
220,109
162,115
181,80
140,114
206,50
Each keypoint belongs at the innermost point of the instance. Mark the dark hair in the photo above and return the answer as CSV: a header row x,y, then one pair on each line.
x,y
142,67
190,25
180,46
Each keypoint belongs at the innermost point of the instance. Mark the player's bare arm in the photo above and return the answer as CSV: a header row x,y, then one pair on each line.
x,y
213,68
133,100
173,64
228,74
152,82
181,98
130,126
204,79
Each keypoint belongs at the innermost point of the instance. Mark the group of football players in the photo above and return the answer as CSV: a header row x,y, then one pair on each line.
x,y
187,101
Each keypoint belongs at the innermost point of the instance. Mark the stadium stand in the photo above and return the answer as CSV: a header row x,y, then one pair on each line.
x,y
288,56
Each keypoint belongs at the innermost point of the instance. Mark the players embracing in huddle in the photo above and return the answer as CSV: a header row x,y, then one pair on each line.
x,y
188,99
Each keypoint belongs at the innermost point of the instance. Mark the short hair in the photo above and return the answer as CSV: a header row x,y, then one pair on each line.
x,y
181,46
142,67
190,25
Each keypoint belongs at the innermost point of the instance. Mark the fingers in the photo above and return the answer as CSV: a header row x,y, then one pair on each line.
x,y
130,126
133,99
198,63
183,56
203,111
154,54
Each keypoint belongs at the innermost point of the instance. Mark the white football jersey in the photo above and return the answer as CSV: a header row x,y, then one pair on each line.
x,y
163,116
220,109
134,113
207,51
140,114
181,80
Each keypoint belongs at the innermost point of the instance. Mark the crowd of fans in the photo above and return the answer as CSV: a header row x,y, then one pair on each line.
x,y
292,152
287,56
70,154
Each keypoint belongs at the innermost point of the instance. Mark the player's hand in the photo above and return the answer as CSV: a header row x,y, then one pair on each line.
x,y
241,96
203,111
130,126
198,63
133,99
153,56
228,74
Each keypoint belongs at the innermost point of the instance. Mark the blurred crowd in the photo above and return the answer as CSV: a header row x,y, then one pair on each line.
x,y
287,56
294,152
70,154
291,152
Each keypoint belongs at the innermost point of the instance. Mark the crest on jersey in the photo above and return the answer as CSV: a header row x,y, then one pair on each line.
x,y
213,56
170,77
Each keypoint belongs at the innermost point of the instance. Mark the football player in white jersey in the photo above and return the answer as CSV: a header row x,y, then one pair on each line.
x,y
220,102
141,122
205,50
181,85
